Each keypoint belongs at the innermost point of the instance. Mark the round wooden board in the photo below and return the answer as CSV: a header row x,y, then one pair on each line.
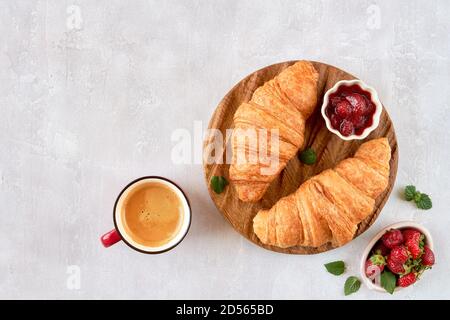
x,y
330,150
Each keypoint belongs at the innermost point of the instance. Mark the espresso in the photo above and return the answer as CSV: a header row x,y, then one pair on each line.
x,y
152,214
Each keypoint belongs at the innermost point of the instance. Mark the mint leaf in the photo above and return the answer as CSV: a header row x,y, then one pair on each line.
x,y
424,202
352,284
308,156
218,184
336,267
388,281
410,191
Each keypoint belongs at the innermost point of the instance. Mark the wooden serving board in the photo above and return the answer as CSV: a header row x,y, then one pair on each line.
x,y
330,150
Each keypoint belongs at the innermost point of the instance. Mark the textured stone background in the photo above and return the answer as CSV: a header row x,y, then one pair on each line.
x,y
91,91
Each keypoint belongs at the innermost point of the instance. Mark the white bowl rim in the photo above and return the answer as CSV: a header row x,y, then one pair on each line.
x,y
397,225
376,101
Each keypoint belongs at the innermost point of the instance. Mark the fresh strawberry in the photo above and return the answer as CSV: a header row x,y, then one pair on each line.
x,y
407,280
414,248
375,261
411,234
413,239
346,128
394,266
399,254
392,238
428,257
343,109
380,249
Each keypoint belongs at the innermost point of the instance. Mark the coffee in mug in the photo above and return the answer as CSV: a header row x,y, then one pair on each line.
x,y
151,215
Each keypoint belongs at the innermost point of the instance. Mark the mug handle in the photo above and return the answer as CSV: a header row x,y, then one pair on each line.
x,y
110,238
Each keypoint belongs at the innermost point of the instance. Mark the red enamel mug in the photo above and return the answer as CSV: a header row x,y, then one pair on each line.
x,y
119,233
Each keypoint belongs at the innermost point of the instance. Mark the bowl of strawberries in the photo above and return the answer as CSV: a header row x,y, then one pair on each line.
x,y
397,257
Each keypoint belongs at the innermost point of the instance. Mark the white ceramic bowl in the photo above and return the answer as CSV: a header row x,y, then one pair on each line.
x,y
375,100
398,225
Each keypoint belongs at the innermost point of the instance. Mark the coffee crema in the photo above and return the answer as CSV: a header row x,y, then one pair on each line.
x,y
152,214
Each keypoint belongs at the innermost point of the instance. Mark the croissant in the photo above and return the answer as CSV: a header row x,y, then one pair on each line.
x,y
329,206
283,103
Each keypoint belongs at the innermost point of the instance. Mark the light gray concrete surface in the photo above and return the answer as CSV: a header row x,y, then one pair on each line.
x,y
91,91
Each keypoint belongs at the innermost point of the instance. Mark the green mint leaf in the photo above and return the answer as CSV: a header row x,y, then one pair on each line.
x,y
388,281
410,191
218,184
424,202
336,267
352,284
308,156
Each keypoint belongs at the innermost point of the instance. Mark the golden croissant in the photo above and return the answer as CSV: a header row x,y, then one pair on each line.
x,y
283,103
329,206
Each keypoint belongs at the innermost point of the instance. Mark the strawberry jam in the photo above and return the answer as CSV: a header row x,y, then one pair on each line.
x,y
350,110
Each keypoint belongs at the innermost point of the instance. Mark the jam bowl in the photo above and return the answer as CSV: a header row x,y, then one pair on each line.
x,y
351,109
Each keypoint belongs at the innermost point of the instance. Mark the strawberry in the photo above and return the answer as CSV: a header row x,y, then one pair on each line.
x,y
380,249
392,238
335,121
394,266
412,239
370,268
359,121
411,234
358,103
414,248
399,254
343,109
428,257
406,280
370,108
346,128
375,261
335,101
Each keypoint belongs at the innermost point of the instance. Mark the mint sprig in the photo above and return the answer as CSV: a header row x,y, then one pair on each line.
x,y
308,156
218,184
422,200
336,267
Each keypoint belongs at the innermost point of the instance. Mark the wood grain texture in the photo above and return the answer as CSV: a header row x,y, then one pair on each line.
x,y
330,150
